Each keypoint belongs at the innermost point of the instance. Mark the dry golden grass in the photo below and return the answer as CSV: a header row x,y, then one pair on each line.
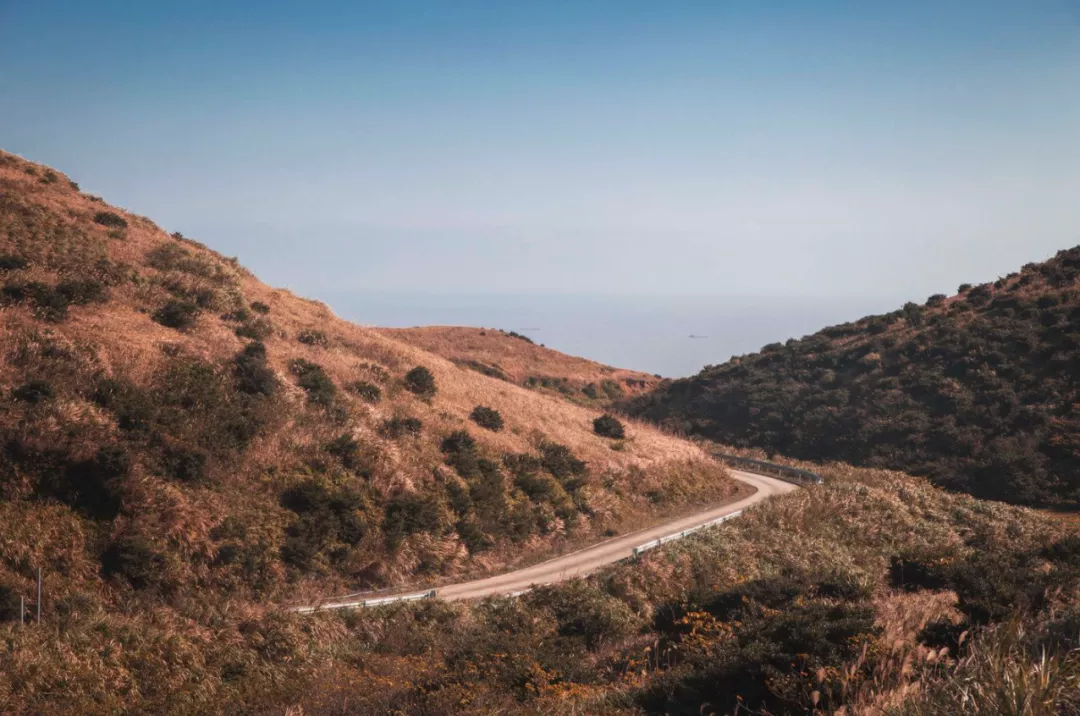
x,y
516,358
121,339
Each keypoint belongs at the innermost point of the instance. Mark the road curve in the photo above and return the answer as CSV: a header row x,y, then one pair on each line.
x,y
589,559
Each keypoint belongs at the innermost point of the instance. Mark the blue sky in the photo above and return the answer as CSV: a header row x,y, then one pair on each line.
x,y
834,148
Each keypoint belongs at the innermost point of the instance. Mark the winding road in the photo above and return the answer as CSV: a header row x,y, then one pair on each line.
x,y
582,562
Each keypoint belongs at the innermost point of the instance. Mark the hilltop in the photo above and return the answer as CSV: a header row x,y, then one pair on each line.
x,y
169,424
516,358
979,391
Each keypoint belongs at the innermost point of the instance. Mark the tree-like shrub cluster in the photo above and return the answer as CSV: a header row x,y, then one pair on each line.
x,y
312,337
486,417
313,379
368,392
397,427
51,302
979,393
180,315
609,426
420,381
110,219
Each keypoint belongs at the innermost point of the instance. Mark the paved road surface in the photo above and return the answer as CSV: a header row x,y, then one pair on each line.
x,y
590,559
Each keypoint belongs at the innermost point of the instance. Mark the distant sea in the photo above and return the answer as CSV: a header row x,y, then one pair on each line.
x,y
646,333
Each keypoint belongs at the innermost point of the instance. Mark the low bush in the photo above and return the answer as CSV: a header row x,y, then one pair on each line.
x,y
81,293
584,610
329,519
420,381
10,262
312,337
491,371
260,307
91,487
110,219
251,373
256,329
609,426
134,559
35,391
313,379
410,514
398,427
185,464
180,315
368,392
519,336
49,303
563,465
487,417
352,455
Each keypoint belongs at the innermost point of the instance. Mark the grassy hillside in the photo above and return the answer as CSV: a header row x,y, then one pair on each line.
x,y
171,426
517,359
978,391
877,593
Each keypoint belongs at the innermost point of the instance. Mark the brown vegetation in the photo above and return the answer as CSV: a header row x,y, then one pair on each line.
x,y
516,359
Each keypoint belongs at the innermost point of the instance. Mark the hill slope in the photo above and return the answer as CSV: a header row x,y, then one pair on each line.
x,y
181,427
517,359
980,391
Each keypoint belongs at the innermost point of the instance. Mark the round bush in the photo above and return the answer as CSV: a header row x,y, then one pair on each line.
x,y
609,426
420,381
487,417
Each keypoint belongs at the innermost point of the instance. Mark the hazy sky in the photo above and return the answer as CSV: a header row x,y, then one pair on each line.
x,y
810,149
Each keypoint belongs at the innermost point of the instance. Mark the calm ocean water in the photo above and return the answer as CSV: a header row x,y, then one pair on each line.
x,y
651,334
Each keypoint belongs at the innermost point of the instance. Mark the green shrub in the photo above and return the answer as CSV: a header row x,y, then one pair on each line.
x,y
487,418
329,519
312,337
49,303
180,315
612,389
10,262
91,487
491,371
251,373
591,391
260,307
563,465
420,381
351,453
936,300
519,336
184,463
110,219
964,288
134,559
609,426
368,392
33,392
585,611
134,408
257,329
397,427
313,379
410,514
81,293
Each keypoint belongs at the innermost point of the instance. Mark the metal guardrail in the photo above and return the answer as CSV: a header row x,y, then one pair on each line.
x,y
360,603
782,472
679,535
